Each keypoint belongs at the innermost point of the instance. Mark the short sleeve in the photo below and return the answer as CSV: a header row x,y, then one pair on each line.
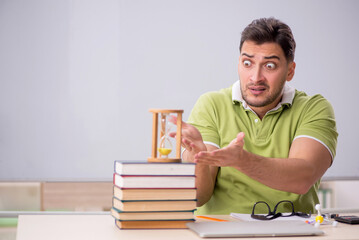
x,y
204,117
318,122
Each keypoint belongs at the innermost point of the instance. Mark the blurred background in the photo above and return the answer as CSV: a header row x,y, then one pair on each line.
x,y
77,78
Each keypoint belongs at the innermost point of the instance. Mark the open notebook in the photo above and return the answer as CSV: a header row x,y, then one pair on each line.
x,y
254,229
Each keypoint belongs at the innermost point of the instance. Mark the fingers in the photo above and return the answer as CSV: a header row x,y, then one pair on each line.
x,y
188,131
173,119
187,144
192,146
240,138
227,156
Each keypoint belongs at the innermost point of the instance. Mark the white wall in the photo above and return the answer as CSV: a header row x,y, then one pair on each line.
x,y
346,194
20,196
78,77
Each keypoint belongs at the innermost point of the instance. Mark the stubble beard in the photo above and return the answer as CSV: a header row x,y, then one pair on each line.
x,y
269,99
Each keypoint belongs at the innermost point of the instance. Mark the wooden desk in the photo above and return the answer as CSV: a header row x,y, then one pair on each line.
x,y
68,227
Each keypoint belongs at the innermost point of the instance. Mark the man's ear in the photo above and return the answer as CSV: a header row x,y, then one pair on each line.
x,y
291,71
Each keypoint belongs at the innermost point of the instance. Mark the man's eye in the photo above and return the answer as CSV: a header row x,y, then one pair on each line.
x,y
270,65
247,63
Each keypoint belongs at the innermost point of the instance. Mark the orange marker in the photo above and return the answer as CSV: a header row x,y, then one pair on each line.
x,y
213,219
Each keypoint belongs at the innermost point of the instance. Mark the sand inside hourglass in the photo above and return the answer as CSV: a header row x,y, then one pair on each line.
x,y
165,151
165,146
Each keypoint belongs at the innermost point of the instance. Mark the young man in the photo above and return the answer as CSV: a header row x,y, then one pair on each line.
x,y
260,139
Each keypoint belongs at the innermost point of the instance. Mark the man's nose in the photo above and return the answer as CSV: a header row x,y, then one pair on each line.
x,y
257,74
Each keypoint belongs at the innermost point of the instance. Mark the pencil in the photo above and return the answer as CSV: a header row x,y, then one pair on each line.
x,y
213,219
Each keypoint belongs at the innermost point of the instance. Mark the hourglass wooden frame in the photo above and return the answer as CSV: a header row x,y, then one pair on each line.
x,y
154,155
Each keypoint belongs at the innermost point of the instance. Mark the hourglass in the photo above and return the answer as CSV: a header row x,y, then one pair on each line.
x,y
165,146
162,148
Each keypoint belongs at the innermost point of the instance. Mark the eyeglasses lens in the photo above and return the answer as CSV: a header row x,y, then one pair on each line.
x,y
286,208
261,208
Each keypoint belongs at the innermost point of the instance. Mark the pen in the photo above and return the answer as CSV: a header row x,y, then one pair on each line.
x,y
213,219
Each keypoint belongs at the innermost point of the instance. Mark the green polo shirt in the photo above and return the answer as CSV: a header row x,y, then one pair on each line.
x,y
220,116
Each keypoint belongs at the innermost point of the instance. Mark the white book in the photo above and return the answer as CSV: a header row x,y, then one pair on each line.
x,y
154,181
149,168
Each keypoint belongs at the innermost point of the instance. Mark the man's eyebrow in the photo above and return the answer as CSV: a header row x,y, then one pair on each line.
x,y
267,57
246,54
271,57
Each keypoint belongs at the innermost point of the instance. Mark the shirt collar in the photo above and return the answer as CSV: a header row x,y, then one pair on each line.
x,y
287,97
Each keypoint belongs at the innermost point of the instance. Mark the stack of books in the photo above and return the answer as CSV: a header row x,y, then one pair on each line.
x,y
153,195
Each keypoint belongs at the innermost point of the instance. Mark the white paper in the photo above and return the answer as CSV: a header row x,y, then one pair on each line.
x,y
247,217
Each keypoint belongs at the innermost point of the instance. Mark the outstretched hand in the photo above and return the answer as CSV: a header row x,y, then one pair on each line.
x,y
230,155
191,138
192,141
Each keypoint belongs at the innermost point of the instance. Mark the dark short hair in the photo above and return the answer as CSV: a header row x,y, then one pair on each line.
x,y
265,30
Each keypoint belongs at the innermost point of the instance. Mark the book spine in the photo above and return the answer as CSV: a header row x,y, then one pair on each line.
x,y
154,198
146,168
153,193
152,205
120,211
140,181
152,215
166,224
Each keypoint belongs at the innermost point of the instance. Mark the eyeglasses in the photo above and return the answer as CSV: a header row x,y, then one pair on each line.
x,y
262,207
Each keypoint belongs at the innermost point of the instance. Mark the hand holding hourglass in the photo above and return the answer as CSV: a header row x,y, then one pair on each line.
x,y
191,138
